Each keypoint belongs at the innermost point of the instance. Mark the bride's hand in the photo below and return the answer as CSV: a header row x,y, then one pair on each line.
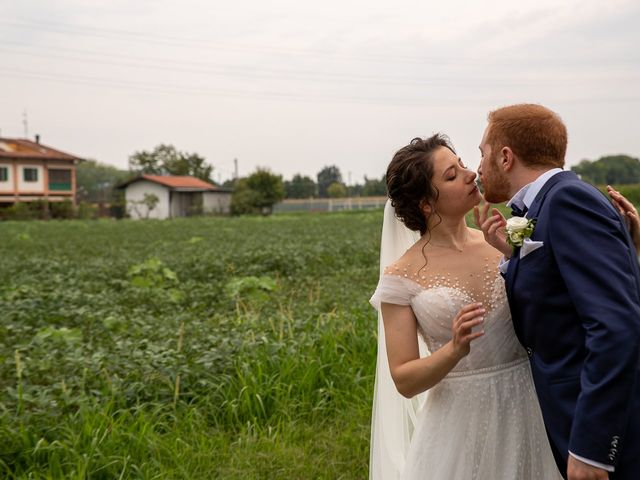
x,y
493,228
629,213
468,317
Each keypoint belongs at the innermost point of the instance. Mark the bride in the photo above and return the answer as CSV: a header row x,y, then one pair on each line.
x,y
445,328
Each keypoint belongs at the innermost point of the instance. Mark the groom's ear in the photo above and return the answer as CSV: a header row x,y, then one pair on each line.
x,y
507,159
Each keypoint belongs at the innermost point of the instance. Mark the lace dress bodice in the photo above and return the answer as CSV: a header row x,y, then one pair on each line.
x,y
436,303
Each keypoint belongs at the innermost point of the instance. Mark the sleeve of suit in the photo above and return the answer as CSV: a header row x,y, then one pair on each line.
x,y
590,244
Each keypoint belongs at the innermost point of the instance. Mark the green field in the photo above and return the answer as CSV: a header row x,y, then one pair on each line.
x,y
232,348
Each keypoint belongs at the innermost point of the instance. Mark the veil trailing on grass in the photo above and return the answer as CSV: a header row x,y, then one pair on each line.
x,y
394,416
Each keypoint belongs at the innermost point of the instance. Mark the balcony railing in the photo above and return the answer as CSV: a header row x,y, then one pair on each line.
x,y
60,187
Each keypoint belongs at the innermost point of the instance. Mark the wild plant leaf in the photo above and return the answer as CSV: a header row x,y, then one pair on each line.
x,y
63,333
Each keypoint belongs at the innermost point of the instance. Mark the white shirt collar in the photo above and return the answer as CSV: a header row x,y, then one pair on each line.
x,y
527,194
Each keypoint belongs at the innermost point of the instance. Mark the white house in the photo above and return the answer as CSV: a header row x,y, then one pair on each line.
x,y
178,196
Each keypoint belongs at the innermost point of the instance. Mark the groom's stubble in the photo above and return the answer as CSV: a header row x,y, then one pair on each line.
x,y
496,183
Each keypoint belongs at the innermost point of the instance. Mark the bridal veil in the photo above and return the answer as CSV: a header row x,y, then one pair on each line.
x,y
394,416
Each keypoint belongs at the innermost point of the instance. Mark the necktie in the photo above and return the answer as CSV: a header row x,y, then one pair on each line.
x,y
517,211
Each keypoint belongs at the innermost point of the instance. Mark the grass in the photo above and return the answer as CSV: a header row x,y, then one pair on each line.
x,y
193,348
234,348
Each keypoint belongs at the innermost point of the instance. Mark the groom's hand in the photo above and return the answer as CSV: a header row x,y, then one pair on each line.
x,y
577,470
493,228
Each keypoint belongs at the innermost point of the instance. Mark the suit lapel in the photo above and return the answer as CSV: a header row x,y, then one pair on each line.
x,y
532,213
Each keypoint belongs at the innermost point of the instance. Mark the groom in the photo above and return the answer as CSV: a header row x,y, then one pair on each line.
x,y
574,293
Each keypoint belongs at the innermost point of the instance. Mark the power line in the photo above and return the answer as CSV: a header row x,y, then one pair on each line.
x,y
244,73
184,42
68,29
313,76
199,91
278,95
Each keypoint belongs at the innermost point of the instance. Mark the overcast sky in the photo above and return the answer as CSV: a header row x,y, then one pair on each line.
x,y
295,86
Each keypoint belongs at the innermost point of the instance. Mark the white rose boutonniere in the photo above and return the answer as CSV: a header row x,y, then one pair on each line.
x,y
519,228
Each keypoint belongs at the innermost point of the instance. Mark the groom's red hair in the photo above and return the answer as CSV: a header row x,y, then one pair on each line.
x,y
534,133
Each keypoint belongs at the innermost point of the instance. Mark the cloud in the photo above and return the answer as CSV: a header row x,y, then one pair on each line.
x,y
328,82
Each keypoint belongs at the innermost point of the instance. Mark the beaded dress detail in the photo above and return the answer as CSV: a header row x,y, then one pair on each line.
x,y
482,421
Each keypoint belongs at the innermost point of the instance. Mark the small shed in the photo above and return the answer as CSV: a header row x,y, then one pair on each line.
x,y
178,196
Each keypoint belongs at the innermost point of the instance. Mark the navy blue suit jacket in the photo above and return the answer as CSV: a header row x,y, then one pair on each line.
x,y
575,304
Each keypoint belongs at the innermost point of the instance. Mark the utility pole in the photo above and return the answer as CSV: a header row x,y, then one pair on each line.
x,y
235,169
25,123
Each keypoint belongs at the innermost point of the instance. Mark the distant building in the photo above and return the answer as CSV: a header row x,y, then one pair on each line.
x,y
178,196
32,171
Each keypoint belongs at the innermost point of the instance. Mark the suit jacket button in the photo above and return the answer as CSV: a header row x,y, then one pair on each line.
x,y
529,351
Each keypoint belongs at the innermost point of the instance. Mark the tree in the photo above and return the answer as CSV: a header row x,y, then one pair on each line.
x,y
612,169
300,187
373,187
257,193
149,163
96,181
165,159
326,177
355,190
337,190
190,164
149,202
244,200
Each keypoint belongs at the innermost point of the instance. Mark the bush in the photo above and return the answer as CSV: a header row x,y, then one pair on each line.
x,y
17,211
257,193
62,209
337,190
38,210
244,201
87,211
25,211
118,209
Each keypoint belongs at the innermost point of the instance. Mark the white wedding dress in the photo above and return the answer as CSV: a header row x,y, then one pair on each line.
x,y
482,421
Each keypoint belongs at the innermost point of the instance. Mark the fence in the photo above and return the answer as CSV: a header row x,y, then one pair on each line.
x,y
329,204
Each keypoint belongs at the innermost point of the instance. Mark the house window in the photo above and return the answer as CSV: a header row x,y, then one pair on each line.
x,y
59,179
30,174
4,174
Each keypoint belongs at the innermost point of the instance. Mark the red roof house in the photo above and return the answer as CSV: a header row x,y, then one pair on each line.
x,y
32,171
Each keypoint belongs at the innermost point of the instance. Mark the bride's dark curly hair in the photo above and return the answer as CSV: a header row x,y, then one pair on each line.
x,y
409,180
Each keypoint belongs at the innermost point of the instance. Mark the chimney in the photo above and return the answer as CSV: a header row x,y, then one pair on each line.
x,y
37,138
